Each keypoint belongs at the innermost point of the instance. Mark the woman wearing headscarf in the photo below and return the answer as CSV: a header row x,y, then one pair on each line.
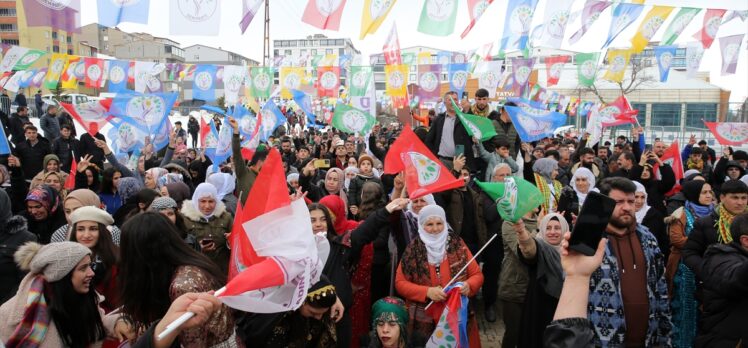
x,y
128,189
410,216
681,280
43,212
77,199
51,163
152,176
651,218
206,218
178,191
428,264
13,234
389,320
168,207
225,184
574,195
541,256
543,175
332,185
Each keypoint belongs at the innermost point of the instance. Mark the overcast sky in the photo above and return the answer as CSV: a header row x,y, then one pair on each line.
x,y
285,23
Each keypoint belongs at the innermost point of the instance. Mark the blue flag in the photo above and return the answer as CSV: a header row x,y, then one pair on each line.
x,y
112,13
204,84
534,124
118,70
4,145
247,122
161,138
272,118
305,103
519,15
458,77
444,58
623,15
221,149
146,112
664,55
522,102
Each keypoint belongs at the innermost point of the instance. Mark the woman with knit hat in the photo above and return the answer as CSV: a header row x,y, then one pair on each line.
x,y
90,228
365,174
680,279
74,200
43,212
55,305
206,218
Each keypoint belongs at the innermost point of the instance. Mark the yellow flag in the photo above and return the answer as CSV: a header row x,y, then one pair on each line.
x,y
250,100
637,2
375,11
57,64
424,58
328,60
290,78
69,81
618,60
396,77
649,26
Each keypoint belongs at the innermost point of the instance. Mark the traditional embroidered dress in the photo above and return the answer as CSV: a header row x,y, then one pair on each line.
x,y
551,193
684,305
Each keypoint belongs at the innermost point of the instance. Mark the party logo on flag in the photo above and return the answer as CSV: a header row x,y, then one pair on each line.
x,y
680,22
352,120
554,67
730,46
438,17
729,133
476,126
534,124
517,23
712,21
664,56
427,169
623,15
694,53
360,77
373,15
590,13
458,77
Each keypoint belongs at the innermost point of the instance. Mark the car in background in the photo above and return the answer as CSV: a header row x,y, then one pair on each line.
x,y
70,98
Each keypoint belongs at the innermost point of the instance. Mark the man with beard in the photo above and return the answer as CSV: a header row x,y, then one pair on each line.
x,y
628,293
587,160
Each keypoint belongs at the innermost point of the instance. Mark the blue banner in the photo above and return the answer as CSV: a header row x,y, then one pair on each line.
x,y
534,124
271,119
664,55
222,147
204,83
112,13
519,15
118,70
444,58
458,77
247,121
146,112
305,103
623,15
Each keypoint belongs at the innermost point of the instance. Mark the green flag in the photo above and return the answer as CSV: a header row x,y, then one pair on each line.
x,y
586,68
352,120
316,59
262,81
514,197
476,126
438,17
360,77
679,22
28,59
408,58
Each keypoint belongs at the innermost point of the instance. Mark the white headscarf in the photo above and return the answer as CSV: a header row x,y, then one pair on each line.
x,y
581,171
204,190
347,181
436,244
429,198
224,184
641,213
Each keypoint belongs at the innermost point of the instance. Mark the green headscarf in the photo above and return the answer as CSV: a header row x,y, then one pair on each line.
x,y
389,309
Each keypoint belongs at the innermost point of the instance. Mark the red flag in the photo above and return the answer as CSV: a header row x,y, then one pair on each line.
x,y
712,21
94,72
280,251
324,14
672,157
553,67
424,173
242,252
617,113
204,130
70,181
391,48
729,133
91,115
476,9
328,81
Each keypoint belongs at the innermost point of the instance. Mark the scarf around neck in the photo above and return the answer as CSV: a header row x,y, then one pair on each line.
x,y
723,225
699,210
34,325
436,243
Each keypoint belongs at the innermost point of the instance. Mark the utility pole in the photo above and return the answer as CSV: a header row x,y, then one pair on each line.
x,y
266,44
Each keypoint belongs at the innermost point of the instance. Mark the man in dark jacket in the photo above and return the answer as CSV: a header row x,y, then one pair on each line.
x,y
17,123
31,152
726,290
447,134
20,99
50,123
193,127
734,200
66,148
87,146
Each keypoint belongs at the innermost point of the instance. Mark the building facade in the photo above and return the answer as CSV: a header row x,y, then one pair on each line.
x,y
410,57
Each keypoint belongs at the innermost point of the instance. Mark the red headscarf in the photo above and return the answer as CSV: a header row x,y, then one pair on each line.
x,y
337,208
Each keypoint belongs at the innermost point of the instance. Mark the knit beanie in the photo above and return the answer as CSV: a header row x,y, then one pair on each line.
x,y
365,158
54,260
89,213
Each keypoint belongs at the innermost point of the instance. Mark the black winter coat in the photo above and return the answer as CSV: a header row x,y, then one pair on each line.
x,y
702,236
88,147
725,313
460,136
32,157
66,150
13,234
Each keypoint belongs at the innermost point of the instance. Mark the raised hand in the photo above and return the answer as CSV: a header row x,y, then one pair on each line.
x,y
84,163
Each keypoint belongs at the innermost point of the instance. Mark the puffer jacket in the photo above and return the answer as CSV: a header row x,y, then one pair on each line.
x,y
514,277
212,228
13,234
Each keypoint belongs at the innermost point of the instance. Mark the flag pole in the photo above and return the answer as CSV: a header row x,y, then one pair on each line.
x,y
183,318
465,267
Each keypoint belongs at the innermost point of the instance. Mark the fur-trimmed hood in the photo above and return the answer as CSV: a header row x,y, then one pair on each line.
x,y
14,225
189,211
675,216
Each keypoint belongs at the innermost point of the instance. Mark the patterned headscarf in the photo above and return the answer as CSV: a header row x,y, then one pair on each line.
x,y
128,188
169,178
389,308
46,196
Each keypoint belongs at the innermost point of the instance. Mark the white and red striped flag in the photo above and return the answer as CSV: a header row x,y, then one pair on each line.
x,y
476,9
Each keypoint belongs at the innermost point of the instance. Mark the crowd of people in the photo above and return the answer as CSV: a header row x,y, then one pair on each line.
x,y
125,247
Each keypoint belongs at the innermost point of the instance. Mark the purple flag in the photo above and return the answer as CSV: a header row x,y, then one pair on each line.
x,y
730,47
58,14
590,13
428,82
249,10
521,70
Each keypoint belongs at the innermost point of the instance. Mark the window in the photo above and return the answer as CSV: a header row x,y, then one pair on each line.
x,y
70,51
412,78
56,49
329,51
339,42
14,42
275,52
323,42
314,52
302,52
8,27
54,35
642,116
697,113
69,39
341,51
106,38
666,115
287,52
7,12
292,43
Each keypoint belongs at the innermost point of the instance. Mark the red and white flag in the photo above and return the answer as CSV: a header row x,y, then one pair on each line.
x,y
280,248
712,21
391,48
324,14
424,173
554,65
729,133
328,81
672,157
618,113
91,115
476,9
70,180
94,72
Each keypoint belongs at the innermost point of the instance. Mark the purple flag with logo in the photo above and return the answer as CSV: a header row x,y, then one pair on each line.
x,y
521,70
58,14
428,82
730,46
249,10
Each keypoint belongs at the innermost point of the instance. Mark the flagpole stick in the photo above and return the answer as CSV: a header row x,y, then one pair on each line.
x,y
183,319
465,267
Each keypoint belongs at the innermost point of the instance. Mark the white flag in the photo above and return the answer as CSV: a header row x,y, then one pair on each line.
x,y
190,17
233,78
694,53
143,75
554,23
12,57
488,75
